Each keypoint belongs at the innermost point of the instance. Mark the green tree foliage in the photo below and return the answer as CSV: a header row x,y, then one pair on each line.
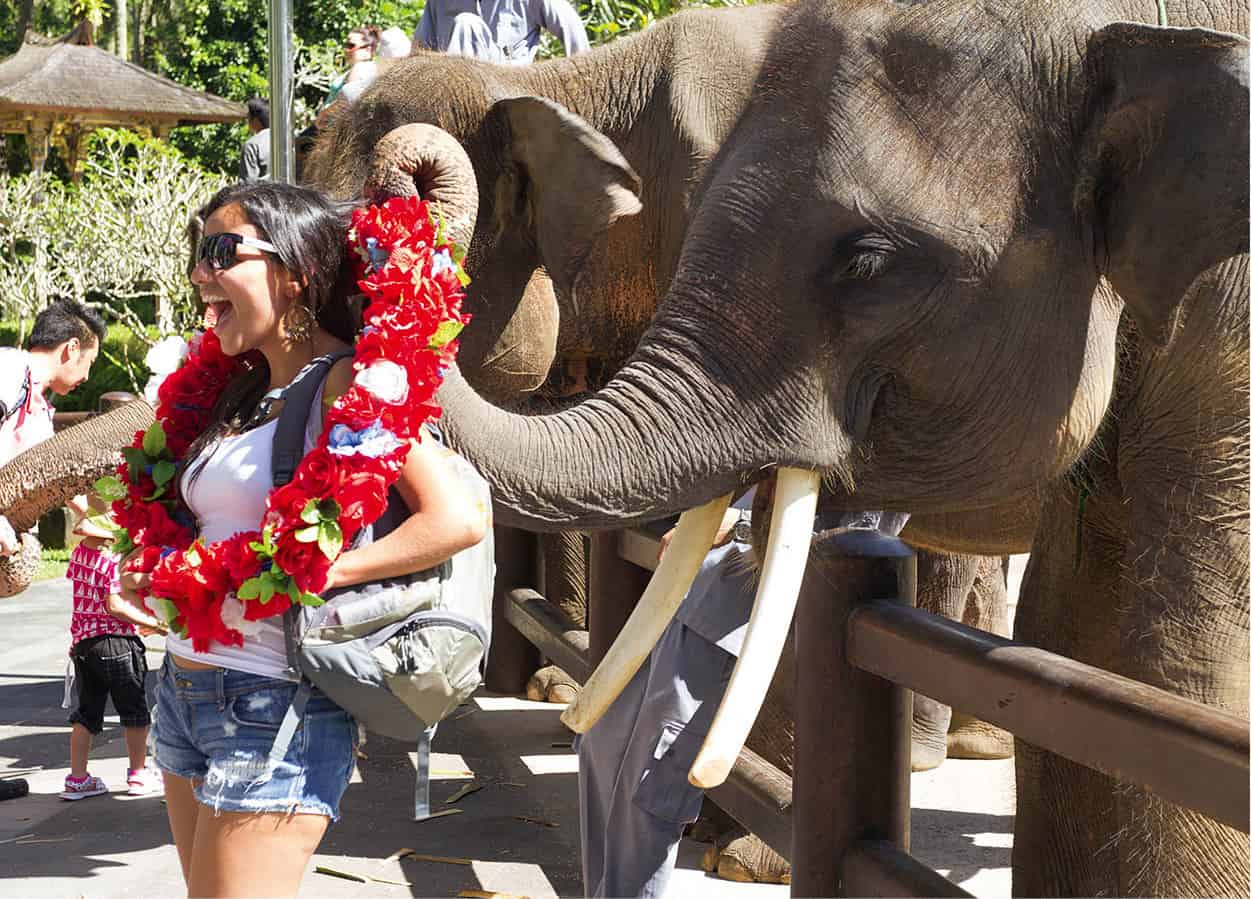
x,y
222,46
115,242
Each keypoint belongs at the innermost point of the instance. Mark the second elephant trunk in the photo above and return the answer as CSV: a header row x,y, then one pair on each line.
x,y
50,474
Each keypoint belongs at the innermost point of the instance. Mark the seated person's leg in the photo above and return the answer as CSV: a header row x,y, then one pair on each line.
x,y
639,825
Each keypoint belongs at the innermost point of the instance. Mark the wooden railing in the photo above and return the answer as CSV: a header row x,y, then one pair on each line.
x,y
862,647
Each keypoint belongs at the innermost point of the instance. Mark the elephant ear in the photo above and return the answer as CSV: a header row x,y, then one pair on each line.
x,y
568,182
1164,161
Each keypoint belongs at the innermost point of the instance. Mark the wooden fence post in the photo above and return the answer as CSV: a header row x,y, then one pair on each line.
x,y
852,729
616,586
513,658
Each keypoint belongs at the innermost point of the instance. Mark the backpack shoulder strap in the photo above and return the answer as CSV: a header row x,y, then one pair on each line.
x,y
23,394
288,446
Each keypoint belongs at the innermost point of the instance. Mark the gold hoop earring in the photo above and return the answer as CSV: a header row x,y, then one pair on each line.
x,y
298,323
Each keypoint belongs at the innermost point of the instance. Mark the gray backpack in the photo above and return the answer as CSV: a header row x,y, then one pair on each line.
x,y
398,655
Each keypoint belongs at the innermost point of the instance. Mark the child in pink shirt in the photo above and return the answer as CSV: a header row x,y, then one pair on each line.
x,y
109,661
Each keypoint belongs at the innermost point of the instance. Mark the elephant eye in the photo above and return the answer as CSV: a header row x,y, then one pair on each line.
x,y
863,266
862,257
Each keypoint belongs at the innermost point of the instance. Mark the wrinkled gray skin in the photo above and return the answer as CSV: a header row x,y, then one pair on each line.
x,y
901,273
48,475
972,590
559,182
550,184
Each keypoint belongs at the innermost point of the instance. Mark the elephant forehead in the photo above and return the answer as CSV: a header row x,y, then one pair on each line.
x,y
920,116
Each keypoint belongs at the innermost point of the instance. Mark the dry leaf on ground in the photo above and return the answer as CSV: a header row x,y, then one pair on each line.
x,y
530,820
463,792
421,857
440,813
358,878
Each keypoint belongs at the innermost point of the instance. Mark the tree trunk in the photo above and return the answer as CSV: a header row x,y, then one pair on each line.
x,y
143,19
25,12
121,31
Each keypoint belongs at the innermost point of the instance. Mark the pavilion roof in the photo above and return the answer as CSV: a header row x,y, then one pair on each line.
x,y
72,79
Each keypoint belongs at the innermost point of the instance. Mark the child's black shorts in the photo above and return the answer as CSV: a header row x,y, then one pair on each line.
x,y
110,665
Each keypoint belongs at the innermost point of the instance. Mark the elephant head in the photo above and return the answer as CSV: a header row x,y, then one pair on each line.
x,y
905,271
551,186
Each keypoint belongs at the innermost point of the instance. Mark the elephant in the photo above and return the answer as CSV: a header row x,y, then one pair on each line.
x,y
544,141
585,170
50,473
905,280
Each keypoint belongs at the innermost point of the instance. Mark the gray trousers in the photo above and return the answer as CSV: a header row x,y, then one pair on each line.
x,y
632,766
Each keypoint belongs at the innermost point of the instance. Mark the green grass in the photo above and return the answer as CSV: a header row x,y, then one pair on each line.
x,y
52,563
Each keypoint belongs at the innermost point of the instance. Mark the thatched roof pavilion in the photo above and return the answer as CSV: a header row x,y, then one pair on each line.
x,y
57,91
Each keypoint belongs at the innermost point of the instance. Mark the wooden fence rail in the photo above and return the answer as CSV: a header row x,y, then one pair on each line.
x,y
861,648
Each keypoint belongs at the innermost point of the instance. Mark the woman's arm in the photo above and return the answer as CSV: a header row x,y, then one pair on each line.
x,y
445,519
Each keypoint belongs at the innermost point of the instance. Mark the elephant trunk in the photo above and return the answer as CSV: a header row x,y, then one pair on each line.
x,y
425,161
48,475
657,440
51,473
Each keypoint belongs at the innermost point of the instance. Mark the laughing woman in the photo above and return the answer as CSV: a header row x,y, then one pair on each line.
x,y
267,269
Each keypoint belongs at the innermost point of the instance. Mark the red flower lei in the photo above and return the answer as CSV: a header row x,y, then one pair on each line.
x,y
413,281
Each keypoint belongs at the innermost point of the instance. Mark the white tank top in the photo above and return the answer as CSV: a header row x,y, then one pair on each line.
x,y
226,490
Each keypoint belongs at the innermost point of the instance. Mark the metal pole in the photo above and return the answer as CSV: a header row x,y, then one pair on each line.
x,y
281,73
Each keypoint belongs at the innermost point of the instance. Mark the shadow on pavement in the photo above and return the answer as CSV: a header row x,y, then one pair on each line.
x,y
956,840
508,854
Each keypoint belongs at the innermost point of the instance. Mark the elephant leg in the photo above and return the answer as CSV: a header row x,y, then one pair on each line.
x,y
1065,825
986,608
931,721
565,584
746,859
943,584
713,824
1182,461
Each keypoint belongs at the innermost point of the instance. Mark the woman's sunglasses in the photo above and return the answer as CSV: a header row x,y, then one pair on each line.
x,y
221,249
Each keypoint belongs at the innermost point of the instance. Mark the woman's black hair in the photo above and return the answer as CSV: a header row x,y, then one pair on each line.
x,y
309,231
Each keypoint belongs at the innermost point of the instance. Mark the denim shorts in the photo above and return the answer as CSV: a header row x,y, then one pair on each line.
x,y
216,727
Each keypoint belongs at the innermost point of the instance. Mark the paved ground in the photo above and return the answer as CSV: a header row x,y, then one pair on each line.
x,y
519,833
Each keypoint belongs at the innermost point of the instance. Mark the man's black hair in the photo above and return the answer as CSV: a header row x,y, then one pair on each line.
x,y
259,109
63,320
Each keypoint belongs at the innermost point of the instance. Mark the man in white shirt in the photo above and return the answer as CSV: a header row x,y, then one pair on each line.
x,y
503,31
62,346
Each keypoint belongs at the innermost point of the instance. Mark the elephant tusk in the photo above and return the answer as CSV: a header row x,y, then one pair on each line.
x,y
697,528
790,536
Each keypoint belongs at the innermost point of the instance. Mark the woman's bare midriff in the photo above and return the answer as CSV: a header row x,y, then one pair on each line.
x,y
191,664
